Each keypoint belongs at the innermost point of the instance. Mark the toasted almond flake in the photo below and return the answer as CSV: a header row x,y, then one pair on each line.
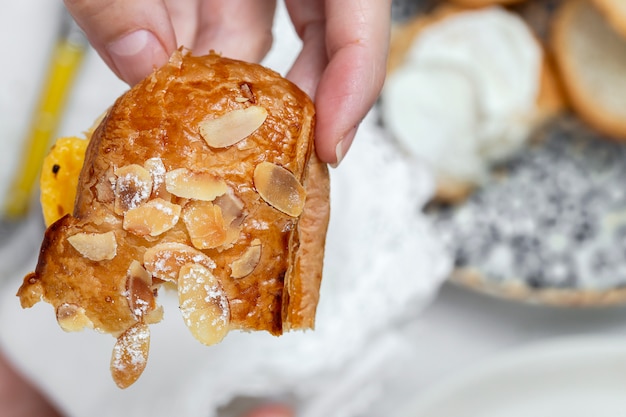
x,y
72,318
157,169
139,293
232,127
105,187
279,188
248,261
246,92
241,99
152,218
205,224
154,316
185,183
136,270
203,304
233,214
233,232
130,355
133,187
95,246
164,260
231,205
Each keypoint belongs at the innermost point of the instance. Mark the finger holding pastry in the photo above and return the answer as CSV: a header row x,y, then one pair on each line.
x,y
341,65
178,193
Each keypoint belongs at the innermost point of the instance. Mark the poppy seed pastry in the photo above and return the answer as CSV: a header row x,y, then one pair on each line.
x,y
549,228
203,177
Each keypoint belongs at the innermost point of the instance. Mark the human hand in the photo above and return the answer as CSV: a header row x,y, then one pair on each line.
x,y
341,64
19,398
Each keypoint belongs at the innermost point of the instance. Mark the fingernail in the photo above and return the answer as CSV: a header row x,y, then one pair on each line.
x,y
136,54
343,145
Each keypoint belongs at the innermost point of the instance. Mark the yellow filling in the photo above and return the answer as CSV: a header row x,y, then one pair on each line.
x,y
59,177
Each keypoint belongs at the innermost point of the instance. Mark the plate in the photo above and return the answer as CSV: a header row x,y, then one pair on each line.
x,y
574,377
549,226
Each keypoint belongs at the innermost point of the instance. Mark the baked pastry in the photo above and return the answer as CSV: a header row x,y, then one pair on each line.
x,y
614,12
483,3
466,89
591,57
539,15
552,229
203,177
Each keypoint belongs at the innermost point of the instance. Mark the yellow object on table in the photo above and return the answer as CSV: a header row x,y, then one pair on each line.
x,y
66,59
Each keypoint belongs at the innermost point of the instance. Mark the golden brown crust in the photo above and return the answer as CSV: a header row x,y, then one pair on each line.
x,y
307,247
159,119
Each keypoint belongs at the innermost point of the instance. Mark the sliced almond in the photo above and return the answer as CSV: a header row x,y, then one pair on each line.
x,y
164,260
185,183
72,318
95,246
203,304
136,270
279,188
157,169
139,291
233,233
244,266
130,355
233,214
232,127
133,187
246,92
152,218
105,187
205,224
154,316
231,205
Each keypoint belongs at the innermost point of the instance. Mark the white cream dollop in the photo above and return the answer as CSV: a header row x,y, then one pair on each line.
x,y
466,94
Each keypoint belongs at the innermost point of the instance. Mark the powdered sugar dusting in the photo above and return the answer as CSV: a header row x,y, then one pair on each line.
x,y
157,169
132,187
130,355
203,304
164,260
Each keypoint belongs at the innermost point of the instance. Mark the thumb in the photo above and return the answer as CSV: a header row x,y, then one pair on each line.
x,y
132,37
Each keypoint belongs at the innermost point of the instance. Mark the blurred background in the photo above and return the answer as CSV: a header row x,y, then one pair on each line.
x,y
437,304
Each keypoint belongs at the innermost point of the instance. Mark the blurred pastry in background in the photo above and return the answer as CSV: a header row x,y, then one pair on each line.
x,y
466,89
552,230
538,14
591,56
614,12
483,3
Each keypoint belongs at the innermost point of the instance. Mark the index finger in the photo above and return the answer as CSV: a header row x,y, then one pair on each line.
x,y
132,37
347,53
